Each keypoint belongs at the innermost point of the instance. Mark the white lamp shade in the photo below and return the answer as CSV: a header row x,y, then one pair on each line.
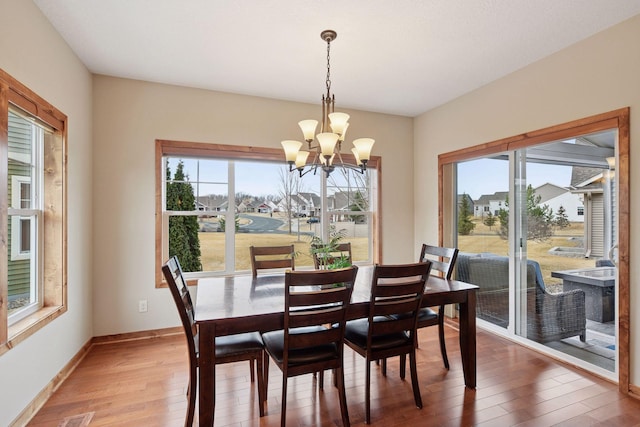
x,y
308,129
327,141
301,159
355,154
364,145
291,149
344,132
338,122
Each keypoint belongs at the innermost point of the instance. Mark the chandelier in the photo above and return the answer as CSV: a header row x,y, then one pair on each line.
x,y
327,144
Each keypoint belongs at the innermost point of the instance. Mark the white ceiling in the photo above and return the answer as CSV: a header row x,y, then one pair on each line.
x,y
392,56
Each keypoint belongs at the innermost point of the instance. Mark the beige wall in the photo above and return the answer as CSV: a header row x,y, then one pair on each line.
x,y
130,115
33,53
597,75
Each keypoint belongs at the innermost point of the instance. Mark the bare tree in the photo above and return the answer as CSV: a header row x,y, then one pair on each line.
x,y
289,187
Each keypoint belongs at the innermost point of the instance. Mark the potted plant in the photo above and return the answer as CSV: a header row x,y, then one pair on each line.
x,y
325,254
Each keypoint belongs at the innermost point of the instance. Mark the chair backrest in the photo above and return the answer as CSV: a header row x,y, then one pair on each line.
x,y
442,259
173,274
316,298
396,294
324,255
268,257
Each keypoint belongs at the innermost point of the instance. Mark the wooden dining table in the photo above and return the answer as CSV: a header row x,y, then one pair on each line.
x,y
236,304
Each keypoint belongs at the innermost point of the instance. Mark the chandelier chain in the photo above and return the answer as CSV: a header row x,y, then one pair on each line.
x,y
328,82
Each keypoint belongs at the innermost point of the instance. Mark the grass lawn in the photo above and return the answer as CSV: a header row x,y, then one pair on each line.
x,y
212,246
484,239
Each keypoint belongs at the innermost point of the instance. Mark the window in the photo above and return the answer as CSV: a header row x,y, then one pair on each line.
x,y
217,200
20,191
540,237
32,136
581,210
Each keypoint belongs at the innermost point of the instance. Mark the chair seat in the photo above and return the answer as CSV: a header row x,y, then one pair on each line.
x,y
237,344
356,332
274,342
424,315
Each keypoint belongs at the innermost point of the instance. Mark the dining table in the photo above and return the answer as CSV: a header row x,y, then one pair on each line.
x,y
241,303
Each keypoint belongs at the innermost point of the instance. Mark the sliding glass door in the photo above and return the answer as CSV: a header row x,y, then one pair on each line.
x,y
536,228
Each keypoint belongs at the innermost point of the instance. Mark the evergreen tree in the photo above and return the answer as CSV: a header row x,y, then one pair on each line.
x,y
489,220
465,225
183,230
539,218
562,220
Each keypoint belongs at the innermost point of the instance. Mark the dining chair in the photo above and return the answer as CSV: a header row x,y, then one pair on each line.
x,y
390,328
443,261
324,255
312,340
231,348
270,257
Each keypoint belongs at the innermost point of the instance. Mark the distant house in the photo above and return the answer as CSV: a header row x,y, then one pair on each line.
x,y
213,202
267,206
302,204
594,187
489,203
555,196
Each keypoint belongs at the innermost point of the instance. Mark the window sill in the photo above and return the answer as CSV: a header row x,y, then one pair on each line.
x,y
26,327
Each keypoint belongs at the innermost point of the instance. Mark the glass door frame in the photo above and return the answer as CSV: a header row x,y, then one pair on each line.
x,y
613,120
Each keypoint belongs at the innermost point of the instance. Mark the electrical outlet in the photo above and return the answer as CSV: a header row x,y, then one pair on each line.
x,y
142,306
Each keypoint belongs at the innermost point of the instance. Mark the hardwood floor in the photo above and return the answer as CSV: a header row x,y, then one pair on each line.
x,y
143,383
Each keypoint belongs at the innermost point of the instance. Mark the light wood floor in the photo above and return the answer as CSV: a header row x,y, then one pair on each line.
x,y
143,383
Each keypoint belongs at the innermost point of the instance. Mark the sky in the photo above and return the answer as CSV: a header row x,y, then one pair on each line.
x,y
487,176
475,177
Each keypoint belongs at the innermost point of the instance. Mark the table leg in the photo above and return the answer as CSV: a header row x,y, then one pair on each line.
x,y
207,374
468,338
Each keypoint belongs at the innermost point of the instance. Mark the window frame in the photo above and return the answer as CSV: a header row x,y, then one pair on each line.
x,y
17,251
52,228
616,119
232,152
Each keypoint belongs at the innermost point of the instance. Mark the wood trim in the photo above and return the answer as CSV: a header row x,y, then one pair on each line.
x,y
54,243
616,119
26,327
41,398
140,335
634,391
591,124
4,219
623,172
28,100
234,152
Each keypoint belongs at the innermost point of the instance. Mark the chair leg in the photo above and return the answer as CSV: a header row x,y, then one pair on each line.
x,y
403,365
414,379
367,394
339,374
265,369
261,388
191,397
384,367
443,347
283,415
321,380
253,376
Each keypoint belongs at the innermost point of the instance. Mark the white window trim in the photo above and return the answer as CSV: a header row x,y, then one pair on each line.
x,y
16,196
